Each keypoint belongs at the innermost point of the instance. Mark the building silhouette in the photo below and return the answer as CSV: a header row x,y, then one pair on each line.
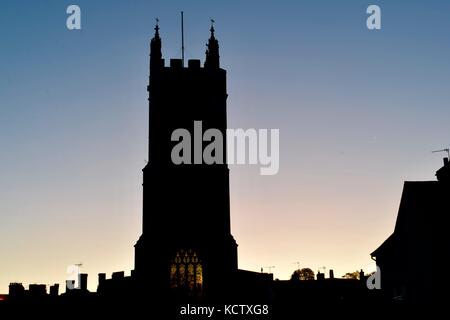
x,y
186,238
409,259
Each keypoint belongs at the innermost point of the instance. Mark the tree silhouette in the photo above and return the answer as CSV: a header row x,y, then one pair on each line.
x,y
303,274
351,275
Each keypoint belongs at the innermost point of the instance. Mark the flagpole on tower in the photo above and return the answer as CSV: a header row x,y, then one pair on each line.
x,y
182,38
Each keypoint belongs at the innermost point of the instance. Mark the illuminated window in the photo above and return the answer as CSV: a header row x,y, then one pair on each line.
x,y
173,272
198,277
186,272
191,276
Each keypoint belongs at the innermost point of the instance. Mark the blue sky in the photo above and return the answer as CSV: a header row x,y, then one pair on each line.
x,y
359,112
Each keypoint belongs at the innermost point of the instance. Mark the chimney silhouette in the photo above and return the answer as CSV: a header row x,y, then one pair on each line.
x,y
83,281
443,174
361,275
101,278
54,290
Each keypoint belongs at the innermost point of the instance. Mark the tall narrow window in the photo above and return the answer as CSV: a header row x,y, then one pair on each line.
x,y
186,272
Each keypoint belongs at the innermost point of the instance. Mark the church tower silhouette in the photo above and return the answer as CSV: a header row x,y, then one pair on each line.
x,y
186,246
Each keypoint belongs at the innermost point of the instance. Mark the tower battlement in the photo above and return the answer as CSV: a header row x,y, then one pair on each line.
x,y
178,64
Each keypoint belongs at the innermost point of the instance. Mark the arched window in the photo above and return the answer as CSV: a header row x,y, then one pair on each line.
x,y
186,272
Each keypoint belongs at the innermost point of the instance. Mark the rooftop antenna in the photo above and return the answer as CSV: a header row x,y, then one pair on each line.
x,y
182,37
323,268
270,268
443,150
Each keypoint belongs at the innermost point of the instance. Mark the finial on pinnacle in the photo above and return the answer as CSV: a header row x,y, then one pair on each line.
x,y
212,27
157,25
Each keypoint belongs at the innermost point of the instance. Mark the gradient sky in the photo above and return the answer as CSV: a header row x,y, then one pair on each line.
x,y
359,112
